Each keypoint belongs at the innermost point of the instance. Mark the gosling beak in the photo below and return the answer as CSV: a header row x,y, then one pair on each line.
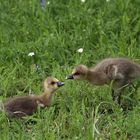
x,y
59,84
70,76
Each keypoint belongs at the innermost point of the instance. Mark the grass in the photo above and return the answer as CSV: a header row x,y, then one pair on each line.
x,y
55,33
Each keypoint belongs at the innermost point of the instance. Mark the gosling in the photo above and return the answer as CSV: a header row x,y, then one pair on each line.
x,y
27,105
118,71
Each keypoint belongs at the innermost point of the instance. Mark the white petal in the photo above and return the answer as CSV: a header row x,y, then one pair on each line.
x,y
83,1
80,50
31,54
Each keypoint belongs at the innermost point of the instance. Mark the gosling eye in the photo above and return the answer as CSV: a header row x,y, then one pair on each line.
x,y
52,83
77,73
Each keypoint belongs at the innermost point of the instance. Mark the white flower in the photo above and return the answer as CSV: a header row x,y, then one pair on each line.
x,y
83,1
48,2
107,0
80,50
83,128
31,54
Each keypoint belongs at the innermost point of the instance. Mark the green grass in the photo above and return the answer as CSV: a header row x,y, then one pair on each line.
x,y
103,29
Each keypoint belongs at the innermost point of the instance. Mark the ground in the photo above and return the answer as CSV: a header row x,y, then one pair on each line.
x,y
36,42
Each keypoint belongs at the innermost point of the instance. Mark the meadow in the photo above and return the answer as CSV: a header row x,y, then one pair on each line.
x,y
103,28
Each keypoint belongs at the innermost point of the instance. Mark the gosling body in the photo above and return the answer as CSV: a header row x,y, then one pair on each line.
x,y
119,70
27,105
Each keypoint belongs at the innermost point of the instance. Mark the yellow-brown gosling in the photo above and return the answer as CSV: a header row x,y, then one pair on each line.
x,y
119,71
27,105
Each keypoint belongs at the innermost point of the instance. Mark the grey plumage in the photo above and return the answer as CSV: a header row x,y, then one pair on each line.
x,y
27,105
120,71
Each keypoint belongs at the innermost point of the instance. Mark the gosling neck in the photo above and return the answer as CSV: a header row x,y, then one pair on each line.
x,y
46,98
90,74
96,78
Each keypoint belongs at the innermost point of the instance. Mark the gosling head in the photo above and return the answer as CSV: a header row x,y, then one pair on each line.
x,y
51,84
79,72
